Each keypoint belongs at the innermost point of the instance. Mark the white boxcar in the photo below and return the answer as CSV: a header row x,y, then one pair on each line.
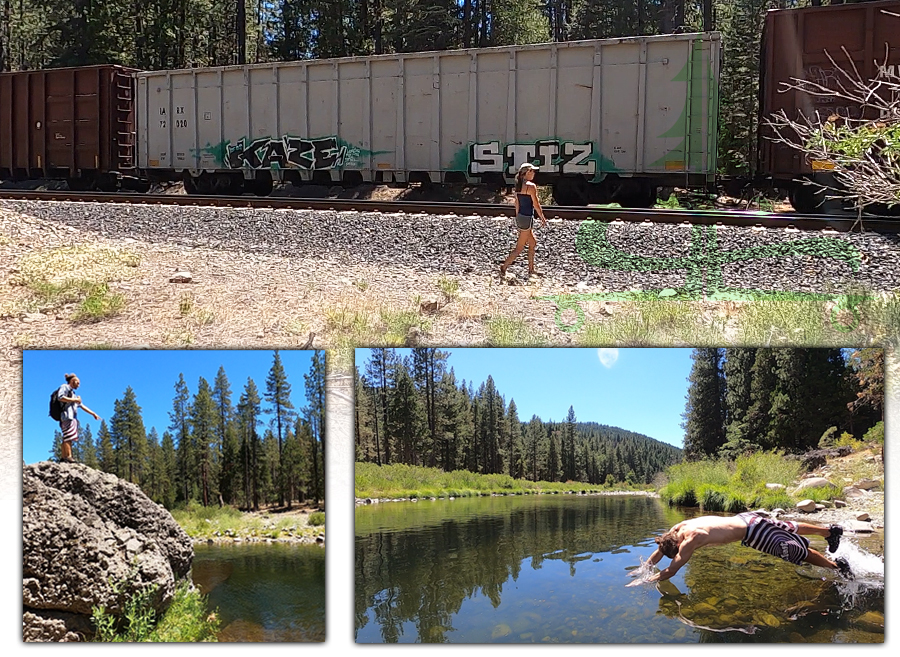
x,y
600,118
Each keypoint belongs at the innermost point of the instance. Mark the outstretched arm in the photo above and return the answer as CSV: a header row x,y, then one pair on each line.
x,y
655,557
684,554
89,411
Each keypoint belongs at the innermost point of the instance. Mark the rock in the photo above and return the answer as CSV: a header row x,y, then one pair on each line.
x,y
854,493
85,532
813,482
775,486
867,484
862,517
820,507
839,504
807,506
181,277
871,621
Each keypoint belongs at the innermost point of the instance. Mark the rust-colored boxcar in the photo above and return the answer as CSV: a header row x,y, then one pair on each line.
x,y
73,123
795,42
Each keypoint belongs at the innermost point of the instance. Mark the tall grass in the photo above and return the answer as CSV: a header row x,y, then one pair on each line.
x,y
732,486
186,619
409,481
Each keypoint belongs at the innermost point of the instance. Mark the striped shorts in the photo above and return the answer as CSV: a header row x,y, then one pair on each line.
x,y
776,537
69,430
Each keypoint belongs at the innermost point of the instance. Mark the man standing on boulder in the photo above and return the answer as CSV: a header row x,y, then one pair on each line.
x,y
780,538
68,419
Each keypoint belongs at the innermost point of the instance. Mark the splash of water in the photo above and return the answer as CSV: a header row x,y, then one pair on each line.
x,y
868,574
642,573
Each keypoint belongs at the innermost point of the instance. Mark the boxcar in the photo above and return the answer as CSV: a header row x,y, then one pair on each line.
x,y
609,119
795,42
72,123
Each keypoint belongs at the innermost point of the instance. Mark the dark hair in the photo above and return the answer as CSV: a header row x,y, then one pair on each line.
x,y
69,377
520,179
668,544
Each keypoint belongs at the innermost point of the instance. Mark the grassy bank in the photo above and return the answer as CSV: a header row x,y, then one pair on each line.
x,y
741,485
186,620
212,522
400,481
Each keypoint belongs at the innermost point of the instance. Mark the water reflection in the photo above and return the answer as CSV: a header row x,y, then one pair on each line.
x,y
264,592
555,569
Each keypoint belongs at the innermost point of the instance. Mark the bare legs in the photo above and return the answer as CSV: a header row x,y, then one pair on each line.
x,y
805,528
526,240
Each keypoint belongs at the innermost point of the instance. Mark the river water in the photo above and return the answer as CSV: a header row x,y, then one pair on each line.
x,y
556,569
271,592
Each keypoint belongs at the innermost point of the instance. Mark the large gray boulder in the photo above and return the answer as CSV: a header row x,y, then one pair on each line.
x,y
91,539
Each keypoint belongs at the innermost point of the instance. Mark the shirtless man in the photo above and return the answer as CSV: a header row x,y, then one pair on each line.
x,y
780,538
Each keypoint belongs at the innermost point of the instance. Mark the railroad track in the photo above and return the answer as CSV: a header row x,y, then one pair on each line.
x,y
694,217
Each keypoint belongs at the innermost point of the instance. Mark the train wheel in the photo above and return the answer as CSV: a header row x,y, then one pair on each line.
x,y
80,184
259,186
566,192
807,199
190,184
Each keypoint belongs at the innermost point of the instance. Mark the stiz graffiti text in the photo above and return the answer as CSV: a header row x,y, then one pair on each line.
x,y
286,153
551,155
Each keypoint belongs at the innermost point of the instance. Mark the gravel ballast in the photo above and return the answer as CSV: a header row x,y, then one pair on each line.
x,y
464,245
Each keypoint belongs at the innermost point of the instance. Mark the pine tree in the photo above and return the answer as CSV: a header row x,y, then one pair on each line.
x,y
168,488
180,429
106,455
252,467
704,416
129,439
203,421
278,394
314,414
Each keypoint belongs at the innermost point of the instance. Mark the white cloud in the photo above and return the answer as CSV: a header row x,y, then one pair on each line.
x,y
608,357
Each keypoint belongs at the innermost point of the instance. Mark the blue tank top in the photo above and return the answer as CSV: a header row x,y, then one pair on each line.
x,y
526,205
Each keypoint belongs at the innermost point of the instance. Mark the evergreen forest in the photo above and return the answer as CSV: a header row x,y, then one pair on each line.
x,y
171,34
212,451
744,400
411,409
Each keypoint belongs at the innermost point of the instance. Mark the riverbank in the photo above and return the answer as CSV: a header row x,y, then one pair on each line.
x,y
398,481
641,493
226,525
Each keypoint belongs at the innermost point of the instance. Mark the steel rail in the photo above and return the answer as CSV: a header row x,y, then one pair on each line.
x,y
741,218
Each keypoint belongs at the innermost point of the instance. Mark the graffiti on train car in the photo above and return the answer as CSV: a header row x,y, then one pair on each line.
x,y
288,153
551,155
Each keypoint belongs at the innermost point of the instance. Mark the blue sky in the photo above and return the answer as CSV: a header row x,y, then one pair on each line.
x,y
151,374
641,390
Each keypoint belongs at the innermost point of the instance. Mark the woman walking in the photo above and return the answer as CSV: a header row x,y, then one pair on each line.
x,y
68,419
527,205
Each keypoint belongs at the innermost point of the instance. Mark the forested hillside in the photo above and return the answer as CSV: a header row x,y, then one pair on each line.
x,y
163,34
747,399
212,451
413,410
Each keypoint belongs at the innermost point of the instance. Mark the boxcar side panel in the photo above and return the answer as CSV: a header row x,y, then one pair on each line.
x,y
588,108
795,43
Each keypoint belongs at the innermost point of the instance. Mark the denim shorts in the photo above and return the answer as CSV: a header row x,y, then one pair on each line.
x,y
524,222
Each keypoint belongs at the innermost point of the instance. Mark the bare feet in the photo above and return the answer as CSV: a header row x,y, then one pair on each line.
x,y
534,272
502,271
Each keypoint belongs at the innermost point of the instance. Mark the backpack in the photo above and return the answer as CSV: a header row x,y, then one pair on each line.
x,y
55,406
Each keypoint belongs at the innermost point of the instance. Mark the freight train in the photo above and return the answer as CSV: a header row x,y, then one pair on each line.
x,y
605,119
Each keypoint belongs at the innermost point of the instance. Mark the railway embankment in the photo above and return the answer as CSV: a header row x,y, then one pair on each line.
x,y
325,279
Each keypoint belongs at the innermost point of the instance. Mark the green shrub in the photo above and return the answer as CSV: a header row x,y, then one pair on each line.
x,y
186,619
875,434
316,519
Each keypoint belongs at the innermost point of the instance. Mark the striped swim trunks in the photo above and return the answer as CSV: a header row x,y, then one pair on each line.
x,y
69,429
776,537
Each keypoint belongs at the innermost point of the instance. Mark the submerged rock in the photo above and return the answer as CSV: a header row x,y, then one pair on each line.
x,y
91,539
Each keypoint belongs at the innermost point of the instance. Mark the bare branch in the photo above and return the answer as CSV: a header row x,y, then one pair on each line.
x,y
862,153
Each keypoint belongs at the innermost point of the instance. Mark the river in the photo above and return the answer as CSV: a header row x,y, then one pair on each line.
x,y
554,569
270,592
